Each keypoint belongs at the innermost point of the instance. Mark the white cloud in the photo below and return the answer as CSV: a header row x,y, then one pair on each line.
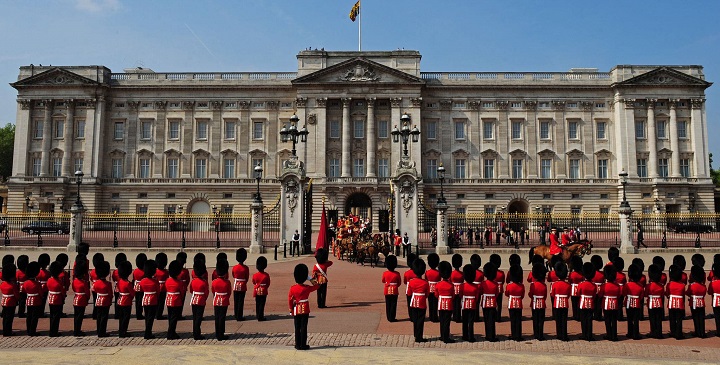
x,y
96,6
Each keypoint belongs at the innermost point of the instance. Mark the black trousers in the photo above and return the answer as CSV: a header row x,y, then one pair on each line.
x,y
477,317
405,249
220,314
150,312
260,307
138,305
576,308
8,315
94,311
498,316
633,323
408,297
611,320
445,317
597,312
301,323
197,314
490,316
78,316
101,315
538,319
656,320
675,316
22,299
115,305
716,312
433,308
391,307
698,317
586,324
295,248
55,314
561,318
123,319
417,316
457,309
161,304
515,324
238,304
31,321
322,295
468,325
174,314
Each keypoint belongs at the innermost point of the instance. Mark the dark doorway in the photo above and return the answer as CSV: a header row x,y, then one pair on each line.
x,y
359,204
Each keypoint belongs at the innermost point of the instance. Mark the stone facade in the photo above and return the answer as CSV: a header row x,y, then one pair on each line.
x,y
555,141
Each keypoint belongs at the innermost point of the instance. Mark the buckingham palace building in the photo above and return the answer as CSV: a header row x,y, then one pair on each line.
x,y
522,142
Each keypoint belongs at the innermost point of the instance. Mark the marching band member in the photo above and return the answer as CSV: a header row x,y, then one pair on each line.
x,y
654,292
515,291
419,289
81,288
241,274
391,279
103,291
261,284
408,275
138,275
433,277
714,292
633,293
126,292
500,281
33,291
149,287
675,292
221,288
696,296
538,295
456,278
559,294
587,290
445,291
173,299
470,293
199,294
10,293
610,293
319,272
299,304
490,295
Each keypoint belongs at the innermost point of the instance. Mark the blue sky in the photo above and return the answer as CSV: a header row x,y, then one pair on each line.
x,y
263,35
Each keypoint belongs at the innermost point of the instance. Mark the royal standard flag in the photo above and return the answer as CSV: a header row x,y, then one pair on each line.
x,y
355,11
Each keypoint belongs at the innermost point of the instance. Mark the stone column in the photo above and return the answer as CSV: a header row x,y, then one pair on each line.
x,y
97,133
442,233
371,139
698,133
292,199
24,126
652,139
320,138
346,139
626,236
406,203
256,231
67,169
47,139
76,224
395,151
674,143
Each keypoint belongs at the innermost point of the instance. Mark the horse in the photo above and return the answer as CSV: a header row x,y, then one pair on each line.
x,y
579,248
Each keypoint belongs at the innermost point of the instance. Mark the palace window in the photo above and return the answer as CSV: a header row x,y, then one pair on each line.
x,y
117,168
639,129
642,167
334,129
119,131
383,167
78,164
202,130
602,169
359,129
431,130
174,130
573,130
574,172
334,167
488,130
685,167
59,129
383,129
661,129
230,130
359,167
545,168
682,129
663,167
36,166
144,170
516,130
432,165
38,129
544,130
517,169
258,130
600,131
201,168
459,130
57,166
80,129
229,168
173,168
146,130
460,172
489,168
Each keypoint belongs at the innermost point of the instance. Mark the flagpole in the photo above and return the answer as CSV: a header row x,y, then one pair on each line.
x,y
360,28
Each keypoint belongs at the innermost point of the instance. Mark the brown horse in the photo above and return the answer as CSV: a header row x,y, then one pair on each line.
x,y
581,248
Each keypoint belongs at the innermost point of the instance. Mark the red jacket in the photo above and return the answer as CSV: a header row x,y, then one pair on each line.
x,y
714,291
489,292
33,289
575,279
56,292
587,291
696,295
199,292
10,294
457,279
515,292
324,266
184,278
221,288
560,293
537,294
479,277
407,276
470,294
150,289
161,275
610,294
500,280
241,274
20,278
261,282
633,293
298,302
125,292
445,291
104,291
621,279
654,292
82,292
42,278
433,277
137,275
419,290
392,282
175,292
675,292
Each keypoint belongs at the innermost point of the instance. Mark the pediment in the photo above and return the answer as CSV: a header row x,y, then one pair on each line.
x,y
518,152
55,77
358,71
229,151
460,152
489,153
432,152
665,77
116,152
665,151
257,153
200,152
603,152
144,151
172,152
575,152
547,152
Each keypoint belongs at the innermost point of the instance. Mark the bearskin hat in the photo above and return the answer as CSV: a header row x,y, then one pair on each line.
x,y
514,259
7,259
200,269
537,259
119,258
588,270
261,263
654,273
490,271
125,269
8,271
221,256
174,269
610,272
516,274
300,273
140,261
634,273
597,262
619,264
222,267
445,270
55,269
698,260
81,268
391,262
149,269
659,262
613,253
697,274
496,260
639,263
433,260
241,255
97,259
22,262
181,257
679,261
103,269
33,269
199,257
469,273
457,261
411,257
576,263
561,270
44,260
475,261
675,273
539,272
418,267
161,260
321,255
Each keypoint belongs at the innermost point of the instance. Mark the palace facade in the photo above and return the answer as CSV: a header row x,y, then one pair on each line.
x,y
518,141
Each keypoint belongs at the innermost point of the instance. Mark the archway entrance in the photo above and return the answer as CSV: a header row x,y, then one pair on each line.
x,y
199,207
517,212
359,204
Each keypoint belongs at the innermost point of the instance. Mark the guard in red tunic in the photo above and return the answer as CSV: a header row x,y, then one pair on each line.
x,y
633,294
221,256
555,247
469,303
161,275
515,291
407,276
660,263
537,293
56,297
552,278
560,296
476,263
299,304
419,290
675,292
20,277
598,280
115,276
456,278
574,279
241,274
620,280
10,292
610,293
104,291
199,257
391,279
81,288
33,290
149,287
184,277
587,290
65,274
490,294
696,296
681,263
433,277
500,281
126,292
42,278
642,281
198,297
445,291
221,289
654,292
319,272
137,276
261,285
96,260
173,300
714,292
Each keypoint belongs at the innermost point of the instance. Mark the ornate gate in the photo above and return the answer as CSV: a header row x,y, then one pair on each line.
x,y
271,223
427,219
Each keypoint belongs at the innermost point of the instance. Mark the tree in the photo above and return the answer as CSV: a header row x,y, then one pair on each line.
x,y
714,174
7,147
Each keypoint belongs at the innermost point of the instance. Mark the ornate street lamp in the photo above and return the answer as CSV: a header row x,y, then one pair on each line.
x,y
258,175
405,133
78,180
216,212
691,205
292,134
624,180
441,177
182,224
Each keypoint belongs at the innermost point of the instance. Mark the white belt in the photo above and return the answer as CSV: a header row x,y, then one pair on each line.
x,y
173,293
262,284
583,297
42,282
671,297
123,293
221,293
161,282
8,295
303,301
654,296
149,292
54,292
560,296
537,297
476,282
236,280
627,304
33,295
515,296
393,284
445,297
423,294
198,293
79,293
433,282
468,297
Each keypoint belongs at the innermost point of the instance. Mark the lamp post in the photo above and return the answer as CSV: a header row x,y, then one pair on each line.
x,y
258,175
182,224
441,177
691,204
216,212
405,132
28,208
624,180
76,220
661,222
292,134
625,215
78,180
